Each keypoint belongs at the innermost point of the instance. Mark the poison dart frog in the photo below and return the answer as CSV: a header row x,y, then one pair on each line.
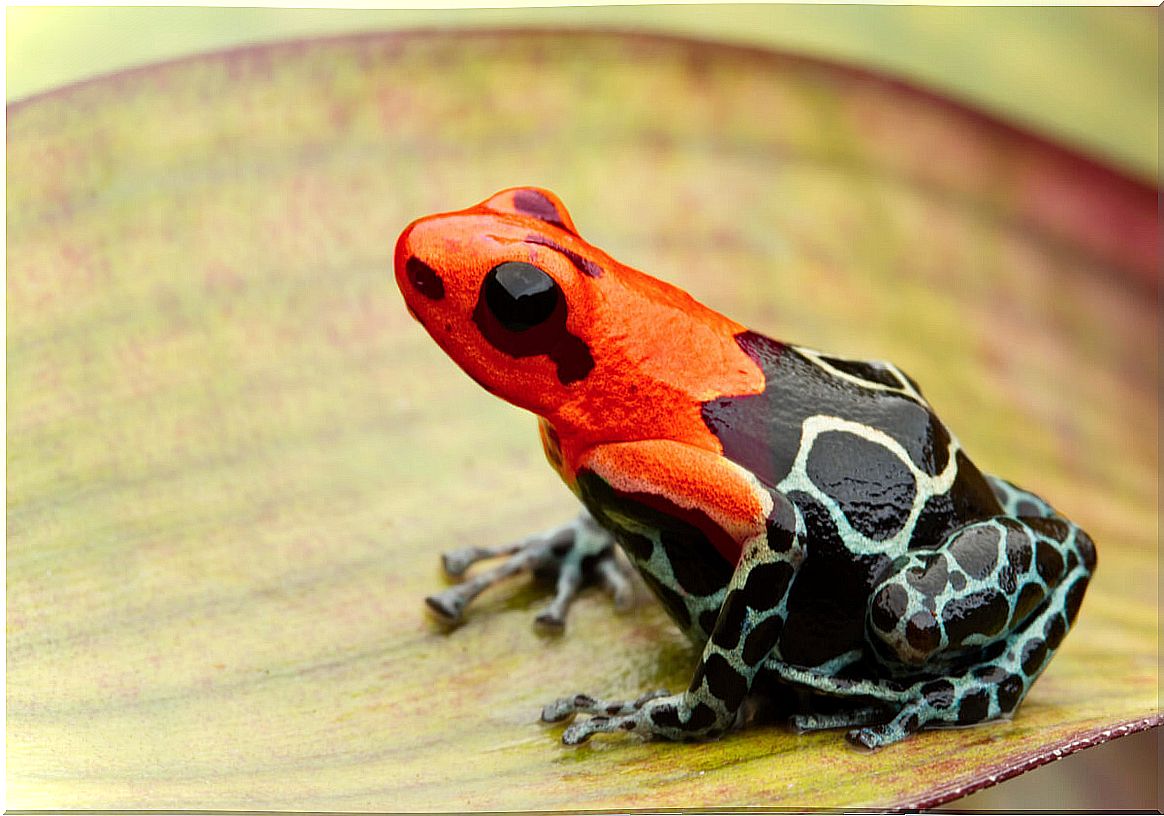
x,y
807,521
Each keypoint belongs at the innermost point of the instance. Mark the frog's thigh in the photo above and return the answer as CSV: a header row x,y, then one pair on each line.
x,y
1010,586
999,682
982,583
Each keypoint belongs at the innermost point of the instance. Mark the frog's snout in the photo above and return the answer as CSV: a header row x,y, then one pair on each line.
x,y
424,279
413,275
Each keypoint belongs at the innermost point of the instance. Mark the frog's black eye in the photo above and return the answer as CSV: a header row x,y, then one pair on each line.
x,y
520,295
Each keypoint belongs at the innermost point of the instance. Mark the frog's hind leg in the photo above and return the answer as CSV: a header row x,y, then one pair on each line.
x,y
861,715
1007,587
1017,502
571,554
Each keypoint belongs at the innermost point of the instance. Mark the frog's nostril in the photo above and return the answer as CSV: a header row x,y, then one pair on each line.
x,y
424,279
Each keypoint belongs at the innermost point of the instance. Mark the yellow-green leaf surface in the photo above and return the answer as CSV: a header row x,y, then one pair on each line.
x,y
233,458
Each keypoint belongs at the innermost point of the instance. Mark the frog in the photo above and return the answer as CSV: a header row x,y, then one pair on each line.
x,y
807,521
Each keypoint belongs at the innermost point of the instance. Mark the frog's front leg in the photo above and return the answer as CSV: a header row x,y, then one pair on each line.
x,y
754,526
571,554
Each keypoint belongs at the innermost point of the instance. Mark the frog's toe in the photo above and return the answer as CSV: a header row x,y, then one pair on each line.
x,y
655,715
456,562
876,736
449,605
573,573
553,619
906,722
571,556
446,606
579,732
566,707
805,723
615,576
868,738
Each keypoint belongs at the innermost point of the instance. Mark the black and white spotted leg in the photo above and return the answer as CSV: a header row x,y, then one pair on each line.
x,y
980,585
571,555
749,624
995,687
863,715
1018,502
1006,588
567,707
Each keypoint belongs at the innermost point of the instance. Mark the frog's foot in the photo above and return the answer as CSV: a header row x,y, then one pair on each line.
x,y
566,707
571,555
804,723
655,715
907,721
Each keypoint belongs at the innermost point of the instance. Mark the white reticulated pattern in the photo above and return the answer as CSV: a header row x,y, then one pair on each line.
x,y
927,485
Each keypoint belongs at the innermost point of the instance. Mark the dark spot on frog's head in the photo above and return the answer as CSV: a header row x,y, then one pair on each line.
x,y
424,279
533,202
584,265
573,358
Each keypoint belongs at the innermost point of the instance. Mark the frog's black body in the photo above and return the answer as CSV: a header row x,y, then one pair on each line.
x,y
925,590
874,489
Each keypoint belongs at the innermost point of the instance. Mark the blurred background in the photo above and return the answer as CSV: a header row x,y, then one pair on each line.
x,y
1084,77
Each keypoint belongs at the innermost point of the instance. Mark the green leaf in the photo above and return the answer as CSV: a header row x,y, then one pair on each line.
x,y
233,458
